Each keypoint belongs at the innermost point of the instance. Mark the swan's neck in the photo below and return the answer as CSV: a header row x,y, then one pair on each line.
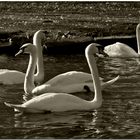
x,y
138,40
96,82
40,65
29,77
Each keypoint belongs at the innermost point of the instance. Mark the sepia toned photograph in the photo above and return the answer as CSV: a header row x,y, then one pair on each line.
x,y
70,69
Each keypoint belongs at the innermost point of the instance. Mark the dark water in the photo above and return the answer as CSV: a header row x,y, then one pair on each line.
x,y
117,118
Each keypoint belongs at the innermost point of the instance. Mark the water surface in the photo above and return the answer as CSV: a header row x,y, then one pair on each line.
x,y
117,118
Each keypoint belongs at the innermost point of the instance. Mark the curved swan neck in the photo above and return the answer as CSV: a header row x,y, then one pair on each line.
x,y
40,65
138,39
95,77
37,39
29,77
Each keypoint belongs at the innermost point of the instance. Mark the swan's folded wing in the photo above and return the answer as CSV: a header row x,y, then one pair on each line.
x,y
70,77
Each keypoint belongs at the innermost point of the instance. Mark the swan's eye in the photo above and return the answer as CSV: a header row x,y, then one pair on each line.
x,y
23,49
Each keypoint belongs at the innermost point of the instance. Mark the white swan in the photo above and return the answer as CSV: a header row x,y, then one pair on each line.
x,y
54,102
69,82
122,50
8,77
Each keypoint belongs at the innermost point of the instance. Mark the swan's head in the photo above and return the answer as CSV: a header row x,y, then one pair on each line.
x,y
41,37
138,27
26,48
94,49
41,34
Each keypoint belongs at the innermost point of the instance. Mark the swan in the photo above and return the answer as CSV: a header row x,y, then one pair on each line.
x,y
69,82
119,49
54,102
9,77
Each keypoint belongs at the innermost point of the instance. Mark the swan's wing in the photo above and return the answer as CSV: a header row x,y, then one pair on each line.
x,y
69,78
71,88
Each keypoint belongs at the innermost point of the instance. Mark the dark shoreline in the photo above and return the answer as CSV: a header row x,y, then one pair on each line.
x,y
82,19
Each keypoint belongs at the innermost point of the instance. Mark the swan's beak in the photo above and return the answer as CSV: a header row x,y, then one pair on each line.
x,y
101,52
104,54
19,52
98,55
44,46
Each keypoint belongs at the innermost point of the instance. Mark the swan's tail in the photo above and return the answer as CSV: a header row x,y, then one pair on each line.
x,y
20,108
17,108
110,82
